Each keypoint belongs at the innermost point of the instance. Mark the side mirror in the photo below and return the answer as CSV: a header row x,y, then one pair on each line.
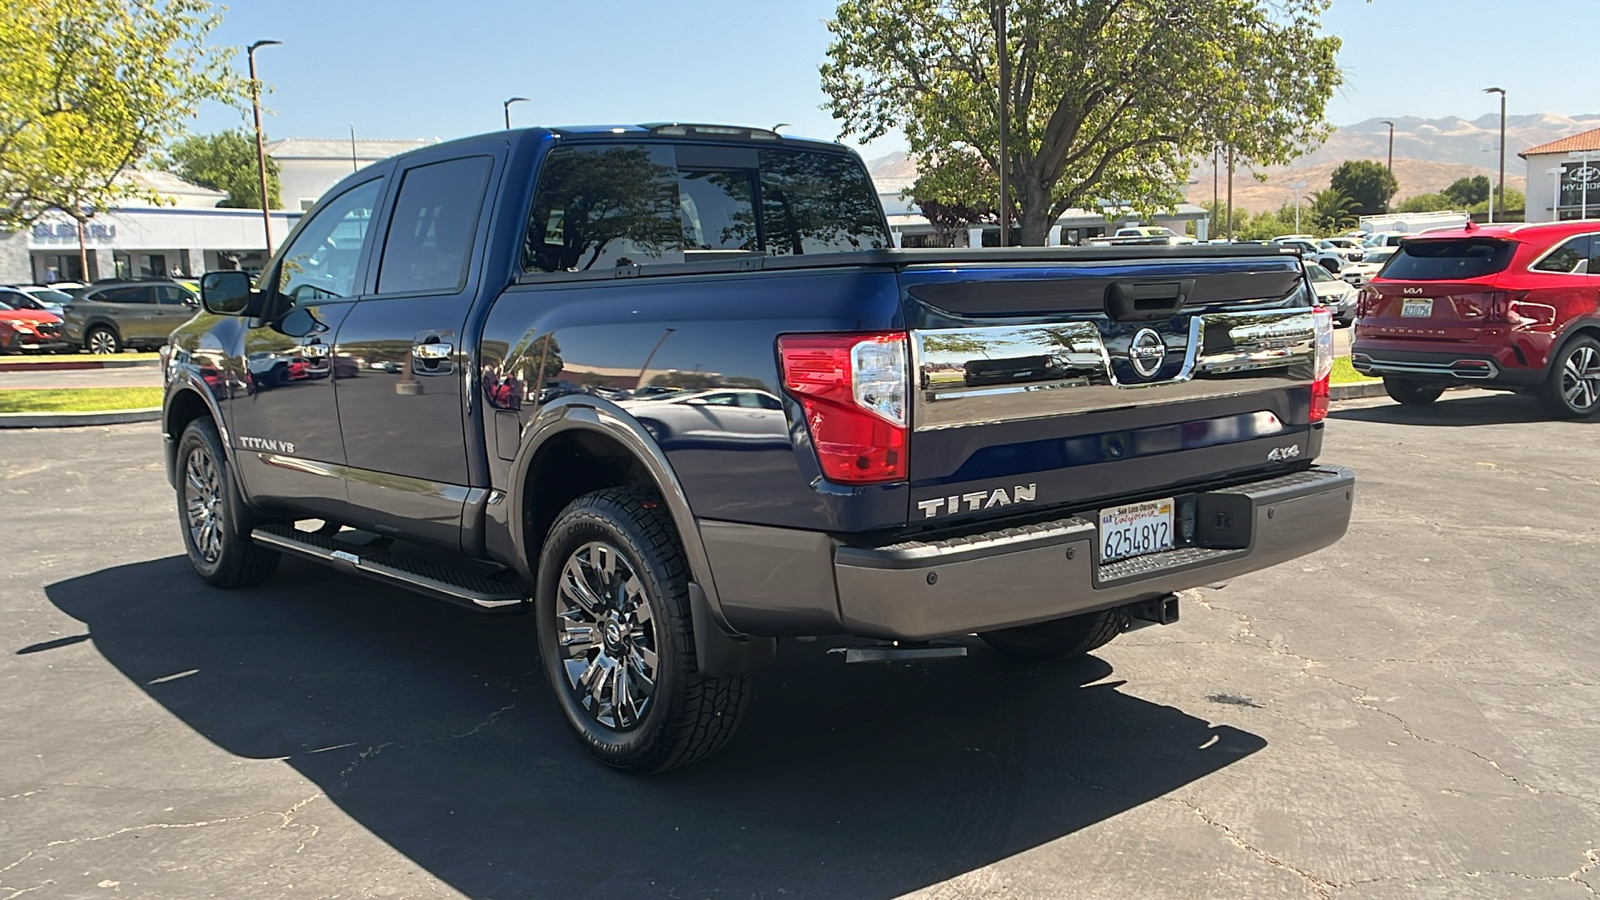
x,y
228,294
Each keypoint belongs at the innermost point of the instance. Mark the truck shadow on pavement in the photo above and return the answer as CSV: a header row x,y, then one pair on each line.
x,y
1453,410
434,728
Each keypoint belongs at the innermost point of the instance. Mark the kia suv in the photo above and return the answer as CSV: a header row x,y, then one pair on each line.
x,y
1510,307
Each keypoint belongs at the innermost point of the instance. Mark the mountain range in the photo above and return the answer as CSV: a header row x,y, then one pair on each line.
x,y
1429,154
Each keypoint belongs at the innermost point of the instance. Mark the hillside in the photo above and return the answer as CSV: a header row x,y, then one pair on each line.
x,y
1429,154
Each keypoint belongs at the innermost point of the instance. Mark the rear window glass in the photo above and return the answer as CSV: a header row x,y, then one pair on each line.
x,y
1452,260
616,204
1571,258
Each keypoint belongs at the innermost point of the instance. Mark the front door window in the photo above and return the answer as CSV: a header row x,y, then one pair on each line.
x,y
321,264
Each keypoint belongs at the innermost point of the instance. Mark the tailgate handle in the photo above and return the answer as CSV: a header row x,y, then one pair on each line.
x,y
1138,301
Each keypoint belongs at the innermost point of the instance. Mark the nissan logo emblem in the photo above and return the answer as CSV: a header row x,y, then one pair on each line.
x,y
1146,352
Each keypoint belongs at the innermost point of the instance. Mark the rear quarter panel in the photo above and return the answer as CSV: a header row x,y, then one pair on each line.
x,y
609,338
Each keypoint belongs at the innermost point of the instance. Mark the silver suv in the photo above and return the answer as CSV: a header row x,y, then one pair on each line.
x,y
111,317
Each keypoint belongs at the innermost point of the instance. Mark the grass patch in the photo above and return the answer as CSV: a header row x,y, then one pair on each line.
x,y
79,399
1344,373
76,357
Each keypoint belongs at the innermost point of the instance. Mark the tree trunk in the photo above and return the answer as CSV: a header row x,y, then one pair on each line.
x,y
83,252
1035,220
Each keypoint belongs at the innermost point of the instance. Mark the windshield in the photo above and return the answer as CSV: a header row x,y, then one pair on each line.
x,y
1380,254
1318,273
1448,260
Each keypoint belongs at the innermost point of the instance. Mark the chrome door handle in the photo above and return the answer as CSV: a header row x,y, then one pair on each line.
x,y
315,350
435,352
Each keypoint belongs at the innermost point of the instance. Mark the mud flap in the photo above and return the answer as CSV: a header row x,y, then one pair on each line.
x,y
720,655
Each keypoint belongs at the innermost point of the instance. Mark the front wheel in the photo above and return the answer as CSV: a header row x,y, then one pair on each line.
x,y
617,640
1060,638
209,508
1573,389
1408,392
102,340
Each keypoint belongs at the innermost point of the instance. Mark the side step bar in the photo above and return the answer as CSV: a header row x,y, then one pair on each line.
x,y
414,572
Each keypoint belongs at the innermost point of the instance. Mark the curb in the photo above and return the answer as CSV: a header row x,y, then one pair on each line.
x,y
70,419
1356,390
77,365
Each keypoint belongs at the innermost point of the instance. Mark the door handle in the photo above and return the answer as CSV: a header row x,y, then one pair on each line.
x,y
315,350
438,351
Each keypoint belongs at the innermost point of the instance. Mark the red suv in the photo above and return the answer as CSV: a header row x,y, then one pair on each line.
x,y
1507,307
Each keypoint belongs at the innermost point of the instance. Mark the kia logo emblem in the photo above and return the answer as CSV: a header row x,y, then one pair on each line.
x,y
1147,352
1413,291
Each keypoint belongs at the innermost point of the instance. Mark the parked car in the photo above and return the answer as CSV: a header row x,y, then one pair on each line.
x,y
128,315
808,484
1507,307
1334,294
1350,248
1360,273
27,328
1329,259
1135,235
30,297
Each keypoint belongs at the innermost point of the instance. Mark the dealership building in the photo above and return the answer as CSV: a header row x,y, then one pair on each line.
x,y
1564,178
189,234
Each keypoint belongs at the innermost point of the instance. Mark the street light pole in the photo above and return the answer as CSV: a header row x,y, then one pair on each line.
x,y
1555,203
1501,187
1297,187
1391,159
506,107
261,150
1005,91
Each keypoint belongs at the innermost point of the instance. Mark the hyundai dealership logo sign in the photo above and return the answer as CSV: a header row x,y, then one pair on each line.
x,y
1585,174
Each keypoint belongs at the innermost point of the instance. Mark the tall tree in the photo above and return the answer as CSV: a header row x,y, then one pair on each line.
x,y
88,88
1108,99
1368,184
1332,210
225,161
1468,192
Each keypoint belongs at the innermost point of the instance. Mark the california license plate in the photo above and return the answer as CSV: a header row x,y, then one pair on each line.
x,y
1135,529
1417,309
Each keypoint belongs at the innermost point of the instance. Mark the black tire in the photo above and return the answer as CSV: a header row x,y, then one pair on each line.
x,y
1059,638
686,716
211,515
1573,389
1410,392
102,339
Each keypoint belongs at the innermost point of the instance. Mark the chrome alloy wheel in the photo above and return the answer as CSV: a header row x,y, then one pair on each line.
x,y
607,636
102,341
1580,377
202,505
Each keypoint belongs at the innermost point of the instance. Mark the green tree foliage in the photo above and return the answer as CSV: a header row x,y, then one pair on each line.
x,y
89,88
958,192
1433,202
1368,184
1465,192
1332,211
1106,100
225,161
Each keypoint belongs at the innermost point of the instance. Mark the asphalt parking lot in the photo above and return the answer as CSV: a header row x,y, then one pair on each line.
x,y
1413,713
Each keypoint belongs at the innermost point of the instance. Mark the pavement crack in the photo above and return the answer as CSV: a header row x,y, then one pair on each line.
x,y
1319,885
152,826
370,752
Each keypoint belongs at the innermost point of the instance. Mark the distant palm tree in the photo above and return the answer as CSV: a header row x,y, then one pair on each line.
x,y
1332,210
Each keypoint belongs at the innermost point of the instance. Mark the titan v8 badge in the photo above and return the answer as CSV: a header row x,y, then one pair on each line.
x,y
945,506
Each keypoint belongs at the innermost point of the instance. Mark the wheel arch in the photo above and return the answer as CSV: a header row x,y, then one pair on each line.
x,y
1588,326
185,402
593,444
102,321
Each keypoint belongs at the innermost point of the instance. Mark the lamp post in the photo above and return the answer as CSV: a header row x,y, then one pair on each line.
x,y
1501,187
261,150
1297,187
1391,158
1555,202
506,108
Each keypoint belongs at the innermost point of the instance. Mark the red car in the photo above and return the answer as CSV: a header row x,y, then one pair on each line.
x,y
1505,307
29,329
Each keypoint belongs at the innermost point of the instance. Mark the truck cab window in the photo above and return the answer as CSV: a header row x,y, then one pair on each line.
x,y
718,213
321,262
818,203
430,234
603,206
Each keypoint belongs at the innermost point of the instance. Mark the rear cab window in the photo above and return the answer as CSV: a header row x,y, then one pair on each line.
x,y
1448,260
599,206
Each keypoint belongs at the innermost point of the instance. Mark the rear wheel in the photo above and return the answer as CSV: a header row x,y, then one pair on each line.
x,y
617,640
1061,638
1573,389
101,339
210,512
1409,392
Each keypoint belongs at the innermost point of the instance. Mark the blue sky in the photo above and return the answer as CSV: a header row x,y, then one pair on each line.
x,y
406,68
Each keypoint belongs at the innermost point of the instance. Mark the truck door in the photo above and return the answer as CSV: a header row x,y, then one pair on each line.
x,y
403,418
286,427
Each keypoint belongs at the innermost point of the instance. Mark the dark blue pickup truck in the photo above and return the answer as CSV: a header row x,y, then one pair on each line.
x,y
672,390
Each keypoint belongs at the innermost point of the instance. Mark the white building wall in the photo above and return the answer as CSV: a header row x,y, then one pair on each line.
x,y
1542,186
305,180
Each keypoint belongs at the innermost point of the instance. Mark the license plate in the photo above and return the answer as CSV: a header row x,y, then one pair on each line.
x,y
1135,530
1417,309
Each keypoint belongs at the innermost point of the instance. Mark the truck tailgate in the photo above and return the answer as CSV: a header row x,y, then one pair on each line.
x,y
1048,385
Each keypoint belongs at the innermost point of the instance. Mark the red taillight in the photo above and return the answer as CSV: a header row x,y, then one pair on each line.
x,y
1323,379
853,388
